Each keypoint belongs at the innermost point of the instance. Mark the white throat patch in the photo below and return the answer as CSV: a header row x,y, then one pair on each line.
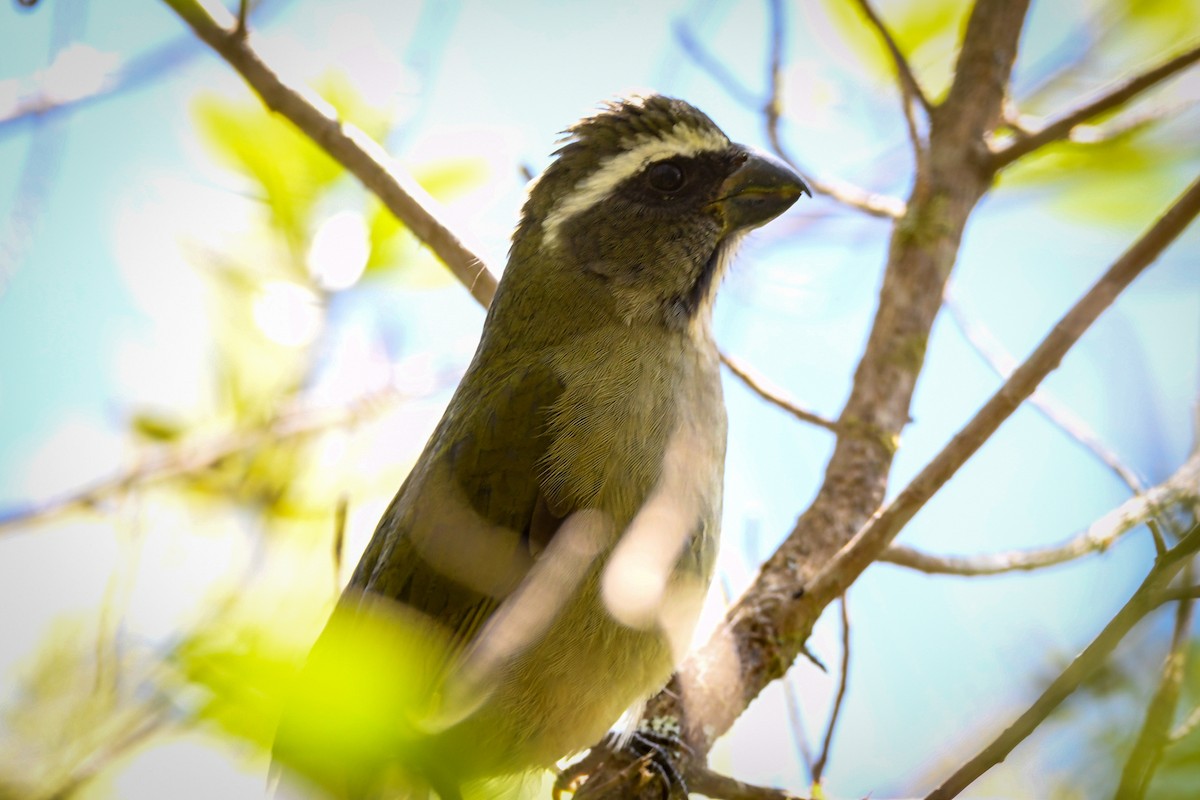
x,y
681,140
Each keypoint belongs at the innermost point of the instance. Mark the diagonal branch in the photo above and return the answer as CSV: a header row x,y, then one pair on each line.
x,y
908,80
189,458
1155,734
349,146
818,769
1002,364
1144,600
763,632
869,543
773,394
1060,128
910,89
705,673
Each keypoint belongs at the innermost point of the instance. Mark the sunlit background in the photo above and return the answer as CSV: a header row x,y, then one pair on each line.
x,y
216,342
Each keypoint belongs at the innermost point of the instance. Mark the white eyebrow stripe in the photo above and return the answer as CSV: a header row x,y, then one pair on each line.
x,y
681,140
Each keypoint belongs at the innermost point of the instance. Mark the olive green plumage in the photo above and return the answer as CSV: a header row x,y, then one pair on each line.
x,y
591,412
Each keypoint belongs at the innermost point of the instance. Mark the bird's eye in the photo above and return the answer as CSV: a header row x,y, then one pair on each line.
x,y
665,176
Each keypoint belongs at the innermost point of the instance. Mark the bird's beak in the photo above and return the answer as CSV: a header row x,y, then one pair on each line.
x,y
762,188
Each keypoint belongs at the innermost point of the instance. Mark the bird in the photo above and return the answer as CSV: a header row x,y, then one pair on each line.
x,y
546,558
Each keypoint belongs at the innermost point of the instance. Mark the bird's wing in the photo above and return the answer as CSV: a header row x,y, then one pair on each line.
x,y
464,529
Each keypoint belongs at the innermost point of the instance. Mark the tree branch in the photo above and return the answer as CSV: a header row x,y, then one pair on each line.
x,y
818,769
876,205
1002,364
1181,489
701,780
1154,736
836,576
910,89
1144,600
349,146
766,629
1179,593
773,394
908,79
189,458
1116,96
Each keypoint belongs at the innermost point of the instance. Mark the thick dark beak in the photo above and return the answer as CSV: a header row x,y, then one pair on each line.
x,y
762,188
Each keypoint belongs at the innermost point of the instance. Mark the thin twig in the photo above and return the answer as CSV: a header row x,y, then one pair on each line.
x,y
908,79
154,63
190,458
349,146
702,780
1114,97
707,62
1178,593
874,204
1190,724
877,205
910,89
1144,600
774,395
818,769
1181,490
339,540
241,29
1001,363
796,723
1155,733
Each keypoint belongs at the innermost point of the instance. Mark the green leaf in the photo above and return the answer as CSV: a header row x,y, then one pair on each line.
x,y
926,31
291,172
362,697
286,167
1109,180
156,428
394,247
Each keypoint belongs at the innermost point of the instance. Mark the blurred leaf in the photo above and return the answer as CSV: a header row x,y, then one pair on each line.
x,y
156,428
357,703
393,246
451,177
291,172
1158,19
72,713
246,677
1109,180
927,33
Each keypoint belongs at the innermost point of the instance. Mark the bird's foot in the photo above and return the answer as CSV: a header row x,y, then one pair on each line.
x,y
643,766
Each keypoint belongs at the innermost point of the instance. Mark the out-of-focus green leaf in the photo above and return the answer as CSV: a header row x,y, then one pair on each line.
x,y
68,711
927,33
452,177
156,427
393,246
245,677
361,700
1160,18
291,172
1129,168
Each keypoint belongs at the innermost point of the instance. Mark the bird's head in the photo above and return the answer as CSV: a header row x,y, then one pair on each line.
x,y
641,207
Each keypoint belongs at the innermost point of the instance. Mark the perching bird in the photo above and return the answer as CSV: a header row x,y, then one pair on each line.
x,y
556,538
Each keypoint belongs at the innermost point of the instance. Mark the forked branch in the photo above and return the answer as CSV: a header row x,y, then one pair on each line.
x,y
1061,127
